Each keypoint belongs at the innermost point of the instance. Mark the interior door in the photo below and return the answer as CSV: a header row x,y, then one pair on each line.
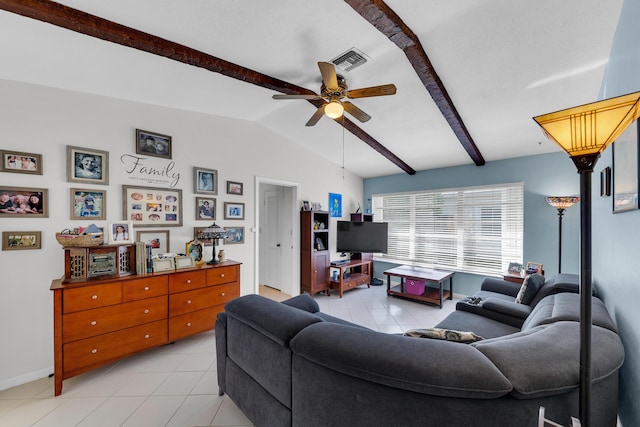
x,y
272,261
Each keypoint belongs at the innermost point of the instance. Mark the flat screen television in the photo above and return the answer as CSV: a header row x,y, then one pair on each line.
x,y
362,236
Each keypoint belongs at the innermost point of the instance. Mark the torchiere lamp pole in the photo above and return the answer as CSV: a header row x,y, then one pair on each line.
x,y
561,203
584,132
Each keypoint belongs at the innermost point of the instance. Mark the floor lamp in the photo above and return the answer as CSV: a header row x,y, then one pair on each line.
x,y
584,132
561,203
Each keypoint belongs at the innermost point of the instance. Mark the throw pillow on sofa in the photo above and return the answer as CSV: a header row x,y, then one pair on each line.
x,y
444,334
530,287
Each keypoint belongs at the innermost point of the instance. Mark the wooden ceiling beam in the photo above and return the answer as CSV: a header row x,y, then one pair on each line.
x,y
381,16
94,26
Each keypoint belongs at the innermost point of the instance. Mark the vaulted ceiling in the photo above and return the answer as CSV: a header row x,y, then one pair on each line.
x,y
469,74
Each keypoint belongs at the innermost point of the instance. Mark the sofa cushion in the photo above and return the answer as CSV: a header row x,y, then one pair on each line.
x,y
566,306
545,360
485,327
530,287
444,334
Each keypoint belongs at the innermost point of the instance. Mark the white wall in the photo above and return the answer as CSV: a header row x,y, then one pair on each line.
x,y
43,120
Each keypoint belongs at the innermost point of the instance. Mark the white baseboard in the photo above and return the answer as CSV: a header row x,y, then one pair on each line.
x,y
26,378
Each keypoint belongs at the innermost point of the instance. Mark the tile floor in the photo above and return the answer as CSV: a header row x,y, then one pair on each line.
x,y
176,384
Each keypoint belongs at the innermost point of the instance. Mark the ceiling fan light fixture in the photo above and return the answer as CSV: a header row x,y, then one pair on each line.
x,y
334,109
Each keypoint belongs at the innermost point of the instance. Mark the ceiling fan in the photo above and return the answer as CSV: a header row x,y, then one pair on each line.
x,y
334,88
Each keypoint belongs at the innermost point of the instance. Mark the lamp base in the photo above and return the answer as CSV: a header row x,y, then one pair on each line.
x,y
213,261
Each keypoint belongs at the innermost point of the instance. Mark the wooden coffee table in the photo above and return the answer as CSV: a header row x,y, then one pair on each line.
x,y
432,294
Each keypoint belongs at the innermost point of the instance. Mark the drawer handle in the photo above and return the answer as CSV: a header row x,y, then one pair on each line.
x,y
146,288
94,323
222,294
222,275
94,296
146,311
188,301
146,337
94,351
189,281
188,323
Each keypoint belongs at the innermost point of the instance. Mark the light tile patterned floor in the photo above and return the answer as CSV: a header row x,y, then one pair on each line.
x,y
176,385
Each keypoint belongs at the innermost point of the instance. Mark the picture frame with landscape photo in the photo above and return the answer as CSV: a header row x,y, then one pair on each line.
x,y
19,162
236,188
158,240
205,181
121,232
152,206
87,165
153,144
24,202
21,240
233,210
87,204
205,208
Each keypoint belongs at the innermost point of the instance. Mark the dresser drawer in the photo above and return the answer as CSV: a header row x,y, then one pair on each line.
x,y
220,275
89,323
179,282
97,350
185,302
193,323
88,297
144,288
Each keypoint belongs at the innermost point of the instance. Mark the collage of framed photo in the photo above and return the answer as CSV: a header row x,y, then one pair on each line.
x,y
152,207
19,162
87,165
153,144
88,204
20,240
205,181
24,201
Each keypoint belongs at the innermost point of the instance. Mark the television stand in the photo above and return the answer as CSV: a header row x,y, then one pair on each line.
x,y
353,279
340,262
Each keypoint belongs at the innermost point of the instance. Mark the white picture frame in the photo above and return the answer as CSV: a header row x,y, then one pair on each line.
x,y
121,232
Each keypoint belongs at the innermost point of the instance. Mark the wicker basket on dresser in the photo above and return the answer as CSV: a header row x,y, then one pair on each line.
x,y
100,321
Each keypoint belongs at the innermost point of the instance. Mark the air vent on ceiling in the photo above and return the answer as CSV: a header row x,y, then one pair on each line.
x,y
350,59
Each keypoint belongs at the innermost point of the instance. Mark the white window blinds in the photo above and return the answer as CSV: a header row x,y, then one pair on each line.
x,y
474,229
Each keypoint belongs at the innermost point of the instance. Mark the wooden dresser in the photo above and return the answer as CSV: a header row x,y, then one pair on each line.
x,y
100,321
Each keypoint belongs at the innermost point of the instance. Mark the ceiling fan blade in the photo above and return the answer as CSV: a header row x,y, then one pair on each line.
x,y
355,111
296,96
329,78
316,116
382,90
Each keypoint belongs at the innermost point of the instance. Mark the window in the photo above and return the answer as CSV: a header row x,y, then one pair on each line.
x,y
474,229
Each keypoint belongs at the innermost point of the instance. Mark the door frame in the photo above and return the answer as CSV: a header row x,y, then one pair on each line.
x,y
292,289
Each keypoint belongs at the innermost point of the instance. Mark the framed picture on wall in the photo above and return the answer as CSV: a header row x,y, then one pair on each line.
x,y
205,208
625,170
24,202
205,181
87,165
88,204
19,162
236,188
158,240
235,235
233,210
152,207
20,240
153,144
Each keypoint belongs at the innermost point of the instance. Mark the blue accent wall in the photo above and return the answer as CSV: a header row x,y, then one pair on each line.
x,y
543,175
616,238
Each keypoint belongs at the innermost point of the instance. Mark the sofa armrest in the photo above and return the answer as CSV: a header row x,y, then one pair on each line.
x,y
303,302
513,309
420,365
500,286
273,319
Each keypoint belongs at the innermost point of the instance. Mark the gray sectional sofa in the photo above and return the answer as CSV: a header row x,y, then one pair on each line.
x,y
288,364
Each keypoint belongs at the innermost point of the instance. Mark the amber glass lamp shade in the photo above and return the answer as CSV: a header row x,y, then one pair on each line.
x,y
585,131
561,202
